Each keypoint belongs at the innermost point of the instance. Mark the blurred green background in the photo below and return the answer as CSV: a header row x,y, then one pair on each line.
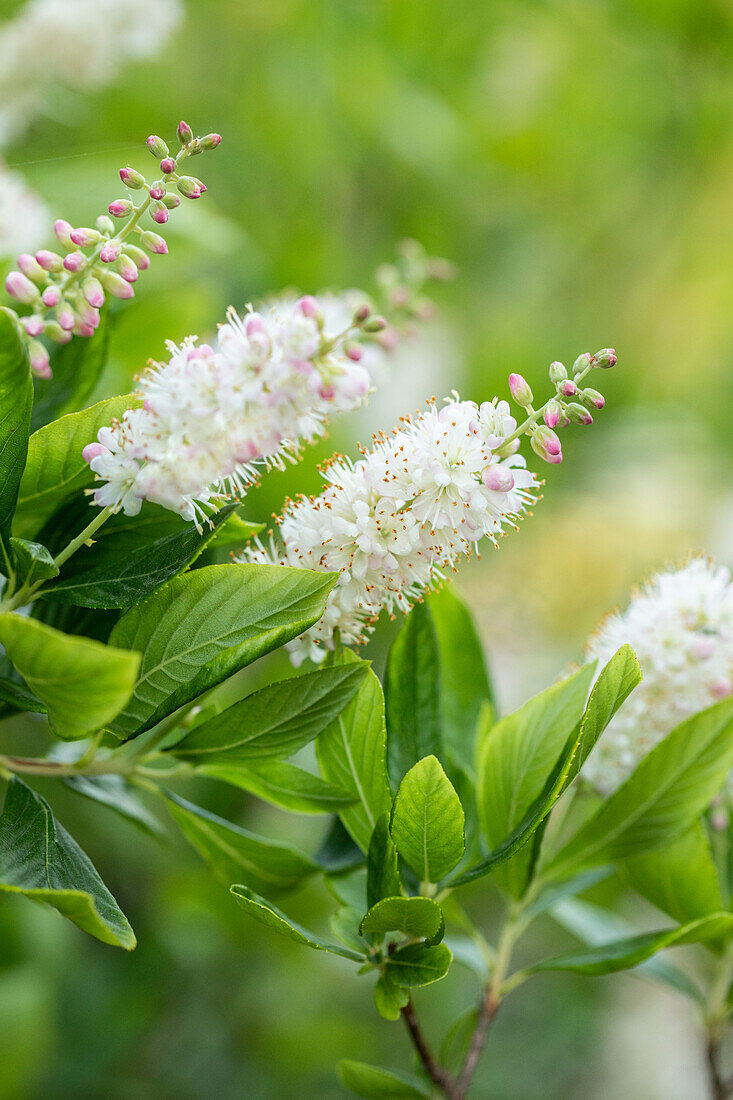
x,y
575,159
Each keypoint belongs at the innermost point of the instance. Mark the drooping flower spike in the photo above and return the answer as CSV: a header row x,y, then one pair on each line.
x,y
211,418
393,523
64,293
680,625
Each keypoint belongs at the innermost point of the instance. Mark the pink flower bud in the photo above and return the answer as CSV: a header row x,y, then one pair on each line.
x,y
255,326
582,362
157,146
138,257
309,307
84,236
33,324
498,479
120,208
93,450
66,316
81,329
131,178
568,388
354,352
519,389
105,225
577,414
153,243
361,314
596,399
87,314
91,288
210,141
185,133
167,165
21,288
188,187
127,269
116,285
720,688
606,357
53,331
31,268
547,445
62,229
159,213
374,324
51,297
39,359
557,372
49,261
157,191
110,252
74,261
551,415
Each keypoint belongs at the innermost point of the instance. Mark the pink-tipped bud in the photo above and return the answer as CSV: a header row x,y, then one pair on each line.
x,y
606,357
188,187
374,324
498,479
153,243
557,372
520,390
53,331
157,191
84,236
171,200
120,208
21,288
39,359
116,285
309,307
131,178
93,450
65,316
361,314
49,261
91,288
157,146
210,141
62,229
568,388
185,133
354,352
80,329
138,257
32,324
167,165
110,252
551,415
582,362
577,414
255,326
74,261
51,297
159,212
31,268
539,442
127,268
87,314
594,397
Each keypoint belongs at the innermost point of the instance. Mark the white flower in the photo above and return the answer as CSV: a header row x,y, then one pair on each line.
x,y
74,44
680,626
394,522
212,417
23,216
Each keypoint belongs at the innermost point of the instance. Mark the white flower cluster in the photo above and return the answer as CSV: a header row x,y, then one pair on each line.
x,y
73,44
392,523
681,627
23,215
211,417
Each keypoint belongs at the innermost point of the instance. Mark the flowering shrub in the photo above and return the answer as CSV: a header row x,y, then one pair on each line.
x,y
116,625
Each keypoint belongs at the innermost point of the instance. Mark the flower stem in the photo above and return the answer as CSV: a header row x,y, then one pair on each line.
x,y
83,537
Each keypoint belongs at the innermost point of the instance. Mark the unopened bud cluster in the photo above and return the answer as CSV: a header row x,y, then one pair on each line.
x,y
402,284
571,403
64,290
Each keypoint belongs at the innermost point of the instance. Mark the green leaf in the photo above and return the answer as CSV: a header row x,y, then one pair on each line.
x,y
389,998
680,877
345,926
383,872
418,964
16,400
377,1083
38,858
202,626
663,797
55,469
283,785
338,852
113,576
234,853
116,793
614,684
428,821
412,694
352,754
416,917
77,367
18,698
82,683
32,561
464,682
235,532
624,954
275,721
273,918
516,761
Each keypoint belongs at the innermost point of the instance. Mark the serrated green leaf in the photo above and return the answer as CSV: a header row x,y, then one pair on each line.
x,y
351,753
82,683
418,964
377,1083
412,694
383,872
16,400
389,998
416,917
275,721
202,626
680,877
235,854
32,561
77,367
666,793
273,918
39,859
55,469
282,784
428,821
